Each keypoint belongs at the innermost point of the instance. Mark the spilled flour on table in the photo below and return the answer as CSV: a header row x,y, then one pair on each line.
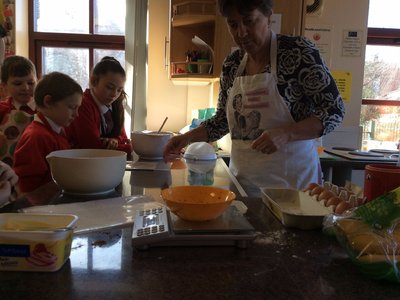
x,y
279,237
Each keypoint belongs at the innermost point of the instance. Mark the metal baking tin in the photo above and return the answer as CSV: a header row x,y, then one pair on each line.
x,y
295,208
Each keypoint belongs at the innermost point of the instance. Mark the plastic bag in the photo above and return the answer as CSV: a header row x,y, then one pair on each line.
x,y
371,236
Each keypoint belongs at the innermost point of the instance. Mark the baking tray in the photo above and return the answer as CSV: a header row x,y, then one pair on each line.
x,y
295,208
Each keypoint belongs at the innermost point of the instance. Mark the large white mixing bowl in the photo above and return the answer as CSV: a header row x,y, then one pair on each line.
x,y
87,171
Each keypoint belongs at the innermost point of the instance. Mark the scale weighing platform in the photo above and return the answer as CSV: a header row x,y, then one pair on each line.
x,y
159,227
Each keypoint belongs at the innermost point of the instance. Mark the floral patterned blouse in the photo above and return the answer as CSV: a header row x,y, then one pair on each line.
x,y
304,82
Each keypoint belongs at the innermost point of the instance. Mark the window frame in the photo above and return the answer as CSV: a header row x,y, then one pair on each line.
x,y
382,37
91,41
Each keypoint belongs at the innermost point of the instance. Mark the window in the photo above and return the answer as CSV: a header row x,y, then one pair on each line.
x,y
71,36
380,109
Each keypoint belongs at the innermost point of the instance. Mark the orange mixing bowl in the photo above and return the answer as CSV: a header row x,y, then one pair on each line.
x,y
197,203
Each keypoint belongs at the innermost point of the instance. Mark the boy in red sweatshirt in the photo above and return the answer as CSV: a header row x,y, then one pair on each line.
x,y
58,98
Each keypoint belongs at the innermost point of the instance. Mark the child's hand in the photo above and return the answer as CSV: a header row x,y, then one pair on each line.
x,y
110,143
5,192
7,174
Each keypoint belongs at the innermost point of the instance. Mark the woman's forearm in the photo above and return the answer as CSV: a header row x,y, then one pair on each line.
x,y
199,134
306,129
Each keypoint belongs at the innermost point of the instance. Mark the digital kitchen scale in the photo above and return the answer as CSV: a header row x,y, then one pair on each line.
x,y
159,227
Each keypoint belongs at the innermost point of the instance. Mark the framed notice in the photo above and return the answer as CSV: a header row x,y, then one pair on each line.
x,y
321,36
351,45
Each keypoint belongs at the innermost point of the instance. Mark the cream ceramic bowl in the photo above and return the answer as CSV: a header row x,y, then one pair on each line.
x,y
87,171
149,144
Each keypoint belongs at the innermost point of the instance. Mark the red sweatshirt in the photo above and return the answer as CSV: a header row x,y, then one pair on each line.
x,y
36,142
85,132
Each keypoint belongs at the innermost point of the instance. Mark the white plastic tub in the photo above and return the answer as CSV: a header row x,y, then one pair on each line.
x,y
295,208
35,242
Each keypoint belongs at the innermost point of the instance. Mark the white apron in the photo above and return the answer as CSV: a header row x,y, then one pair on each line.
x,y
254,105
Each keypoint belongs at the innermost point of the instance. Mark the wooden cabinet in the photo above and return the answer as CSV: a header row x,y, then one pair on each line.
x,y
293,14
201,18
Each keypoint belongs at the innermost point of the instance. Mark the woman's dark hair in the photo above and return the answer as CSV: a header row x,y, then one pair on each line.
x,y
105,65
245,6
57,85
16,66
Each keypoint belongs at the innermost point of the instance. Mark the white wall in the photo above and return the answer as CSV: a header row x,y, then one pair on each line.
x,y
21,28
164,99
341,15
136,64
347,15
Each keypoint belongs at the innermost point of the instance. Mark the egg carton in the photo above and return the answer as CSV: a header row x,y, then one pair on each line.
x,y
341,199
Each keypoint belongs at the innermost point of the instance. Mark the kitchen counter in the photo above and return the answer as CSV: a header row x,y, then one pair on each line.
x,y
337,169
281,263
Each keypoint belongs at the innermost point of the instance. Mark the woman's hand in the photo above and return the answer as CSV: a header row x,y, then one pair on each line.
x,y
271,140
110,143
173,149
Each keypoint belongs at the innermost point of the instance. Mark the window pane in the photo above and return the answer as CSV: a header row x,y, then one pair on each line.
x,y
384,13
70,16
381,126
117,54
109,17
71,61
382,73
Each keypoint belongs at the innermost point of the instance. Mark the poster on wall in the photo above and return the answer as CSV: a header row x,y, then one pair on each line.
x,y
352,43
321,36
344,83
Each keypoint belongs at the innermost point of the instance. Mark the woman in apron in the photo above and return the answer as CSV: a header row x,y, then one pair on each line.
x,y
276,97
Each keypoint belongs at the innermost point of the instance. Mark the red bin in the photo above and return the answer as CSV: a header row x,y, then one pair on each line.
x,y
380,179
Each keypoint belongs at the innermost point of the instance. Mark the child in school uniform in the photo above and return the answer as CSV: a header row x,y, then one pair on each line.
x,y
57,97
100,123
18,80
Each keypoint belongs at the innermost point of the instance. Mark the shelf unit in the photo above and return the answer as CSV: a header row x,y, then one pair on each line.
x,y
189,19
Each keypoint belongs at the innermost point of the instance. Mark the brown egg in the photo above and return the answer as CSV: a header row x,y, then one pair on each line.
x,y
317,190
310,187
332,201
342,207
325,195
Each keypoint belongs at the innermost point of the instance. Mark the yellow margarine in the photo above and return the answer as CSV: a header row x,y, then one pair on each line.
x,y
38,250
27,225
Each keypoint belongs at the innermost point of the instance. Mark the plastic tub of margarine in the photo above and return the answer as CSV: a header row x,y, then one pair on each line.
x,y
35,242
